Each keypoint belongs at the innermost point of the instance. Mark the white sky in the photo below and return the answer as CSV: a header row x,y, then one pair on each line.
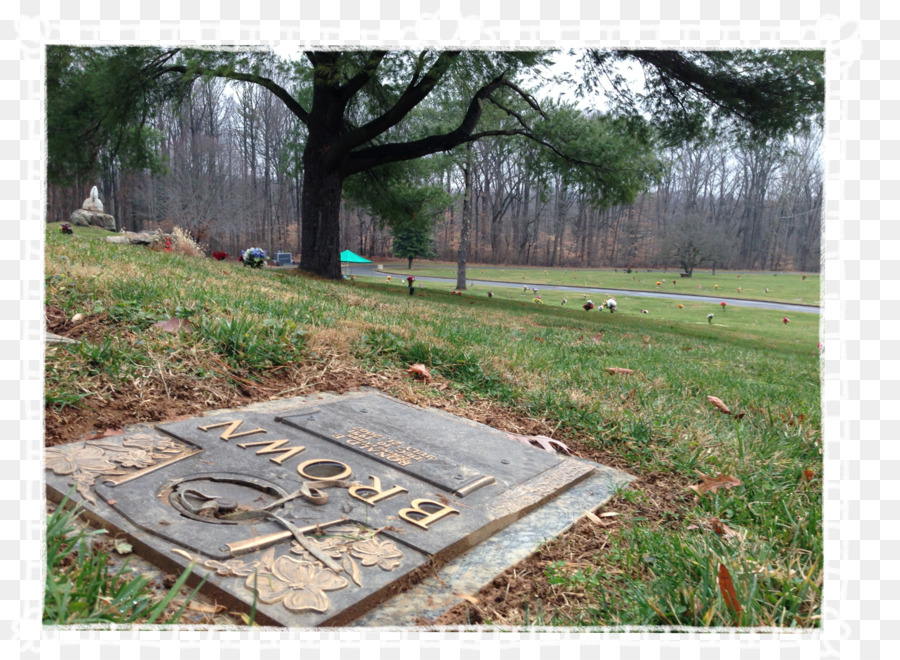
x,y
564,63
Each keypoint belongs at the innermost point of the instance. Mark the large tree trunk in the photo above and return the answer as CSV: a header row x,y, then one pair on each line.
x,y
321,230
322,183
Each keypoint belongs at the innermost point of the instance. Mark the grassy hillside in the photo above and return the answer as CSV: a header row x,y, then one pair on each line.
x,y
516,365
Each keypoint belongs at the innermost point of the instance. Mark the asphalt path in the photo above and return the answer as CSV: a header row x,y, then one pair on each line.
x,y
369,271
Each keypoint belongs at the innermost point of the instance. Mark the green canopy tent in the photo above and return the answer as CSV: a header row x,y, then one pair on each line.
x,y
349,257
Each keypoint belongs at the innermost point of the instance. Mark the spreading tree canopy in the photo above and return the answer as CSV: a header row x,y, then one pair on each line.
x,y
363,111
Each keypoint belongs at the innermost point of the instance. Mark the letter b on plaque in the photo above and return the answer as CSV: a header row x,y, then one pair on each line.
x,y
430,514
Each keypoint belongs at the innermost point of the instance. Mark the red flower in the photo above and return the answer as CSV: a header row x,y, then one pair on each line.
x,y
219,256
785,320
723,303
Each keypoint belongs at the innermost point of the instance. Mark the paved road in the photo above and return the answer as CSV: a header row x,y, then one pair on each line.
x,y
366,270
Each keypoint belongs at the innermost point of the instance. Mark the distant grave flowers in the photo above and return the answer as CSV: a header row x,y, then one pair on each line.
x,y
254,257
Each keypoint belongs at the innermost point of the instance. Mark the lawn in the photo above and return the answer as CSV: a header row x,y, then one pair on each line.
x,y
660,558
795,288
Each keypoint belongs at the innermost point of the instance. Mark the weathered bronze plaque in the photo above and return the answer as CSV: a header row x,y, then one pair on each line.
x,y
316,513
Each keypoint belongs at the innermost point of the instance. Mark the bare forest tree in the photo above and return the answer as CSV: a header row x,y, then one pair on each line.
x,y
233,179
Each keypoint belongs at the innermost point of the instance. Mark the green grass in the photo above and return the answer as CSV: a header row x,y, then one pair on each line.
x,y
81,590
795,288
546,361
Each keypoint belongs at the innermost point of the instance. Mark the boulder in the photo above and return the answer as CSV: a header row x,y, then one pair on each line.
x,y
134,238
86,218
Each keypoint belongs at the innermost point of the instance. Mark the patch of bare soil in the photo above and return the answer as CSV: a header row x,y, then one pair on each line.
x,y
92,327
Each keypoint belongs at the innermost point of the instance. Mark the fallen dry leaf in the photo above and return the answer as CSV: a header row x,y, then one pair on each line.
x,y
598,337
717,526
97,435
470,599
547,444
122,547
808,475
608,514
419,370
174,325
712,484
717,402
593,518
723,530
205,608
619,370
726,586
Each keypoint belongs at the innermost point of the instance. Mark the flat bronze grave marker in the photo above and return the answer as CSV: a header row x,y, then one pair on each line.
x,y
319,512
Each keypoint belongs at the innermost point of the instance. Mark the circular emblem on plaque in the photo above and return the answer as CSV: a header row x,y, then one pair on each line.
x,y
221,498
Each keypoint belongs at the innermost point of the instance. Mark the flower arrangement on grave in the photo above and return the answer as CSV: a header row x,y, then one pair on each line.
x,y
65,228
709,318
723,304
254,257
168,247
219,256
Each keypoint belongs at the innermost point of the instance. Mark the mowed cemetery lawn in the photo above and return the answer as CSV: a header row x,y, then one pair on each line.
x,y
794,288
723,526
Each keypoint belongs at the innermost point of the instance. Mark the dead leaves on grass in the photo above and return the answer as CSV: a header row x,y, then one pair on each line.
x,y
713,484
174,325
419,371
718,527
726,586
718,403
542,441
619,371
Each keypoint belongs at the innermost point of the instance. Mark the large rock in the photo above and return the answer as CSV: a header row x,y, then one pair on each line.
x,y
135,238
85,218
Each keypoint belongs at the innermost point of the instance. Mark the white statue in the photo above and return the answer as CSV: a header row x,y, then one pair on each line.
x,y
93,202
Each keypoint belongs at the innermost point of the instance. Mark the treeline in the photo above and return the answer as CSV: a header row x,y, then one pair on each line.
x,y
234,175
